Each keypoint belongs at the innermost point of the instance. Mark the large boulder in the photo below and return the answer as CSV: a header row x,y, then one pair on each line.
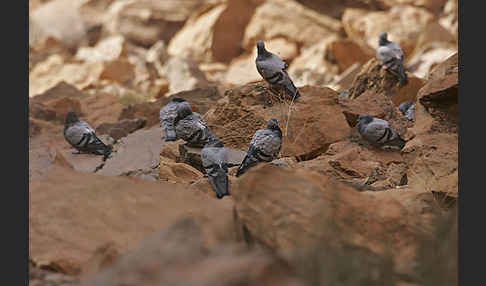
x,y
300,25
144,22
73,214
321,211
403,23
432,155
121,128
165,257
306,133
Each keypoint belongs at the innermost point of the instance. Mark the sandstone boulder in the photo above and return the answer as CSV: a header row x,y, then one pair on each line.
x,y
194,40
72,214
60,19
144,22
373,79
183,75
403,24
301,25
317,204
450,18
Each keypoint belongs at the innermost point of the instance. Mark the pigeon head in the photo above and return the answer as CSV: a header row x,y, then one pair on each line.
x,y
71,118
272,123
365,119
261,47
383,39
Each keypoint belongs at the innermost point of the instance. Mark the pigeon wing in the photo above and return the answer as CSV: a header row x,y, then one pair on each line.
x,y
215,162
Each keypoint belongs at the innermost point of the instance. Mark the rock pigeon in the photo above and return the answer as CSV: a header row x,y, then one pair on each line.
x,y
215,161
82,137
170,114
264,146
194,131
273,70
390,55
378,132
408,109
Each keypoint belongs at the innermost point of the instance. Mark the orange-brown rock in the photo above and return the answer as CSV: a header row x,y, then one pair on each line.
x,y
432,155
166,257
352,162
402,23
178,173
449,20
286,209
307,133
121,128
298,23
147,21
437,109
72,214
373,79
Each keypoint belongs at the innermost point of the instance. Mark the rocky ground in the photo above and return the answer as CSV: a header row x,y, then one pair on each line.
x,y
332,211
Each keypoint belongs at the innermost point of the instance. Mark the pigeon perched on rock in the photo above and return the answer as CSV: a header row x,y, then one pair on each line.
x,y
170,114
264,146
215,161
378,132
194,131
82,137
408,109
390,55
273,70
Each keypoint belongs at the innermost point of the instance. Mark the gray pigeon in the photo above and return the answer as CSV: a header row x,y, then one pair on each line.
x,y
408,109
215,161
273,70
170,114
378,132
194,131
82,137
390,55
264,147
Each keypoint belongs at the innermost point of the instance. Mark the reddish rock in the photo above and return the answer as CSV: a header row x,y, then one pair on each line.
x,y
287,209
72,214
121,128
167,255
372,78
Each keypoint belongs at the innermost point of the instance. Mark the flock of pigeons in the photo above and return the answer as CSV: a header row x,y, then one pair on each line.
x,y
178,121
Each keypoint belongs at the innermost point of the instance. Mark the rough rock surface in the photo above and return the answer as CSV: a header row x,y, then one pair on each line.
x,y
286,209
432,155
372,78
72,214
121,128
136,155
165,257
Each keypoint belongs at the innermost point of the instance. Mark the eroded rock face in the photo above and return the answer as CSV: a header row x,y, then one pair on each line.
x,y
433,153
373,79
92,210
317,204
121,128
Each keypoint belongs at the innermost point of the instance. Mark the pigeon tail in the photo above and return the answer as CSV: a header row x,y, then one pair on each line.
x,y
398,142
170,135
248,162
402,75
